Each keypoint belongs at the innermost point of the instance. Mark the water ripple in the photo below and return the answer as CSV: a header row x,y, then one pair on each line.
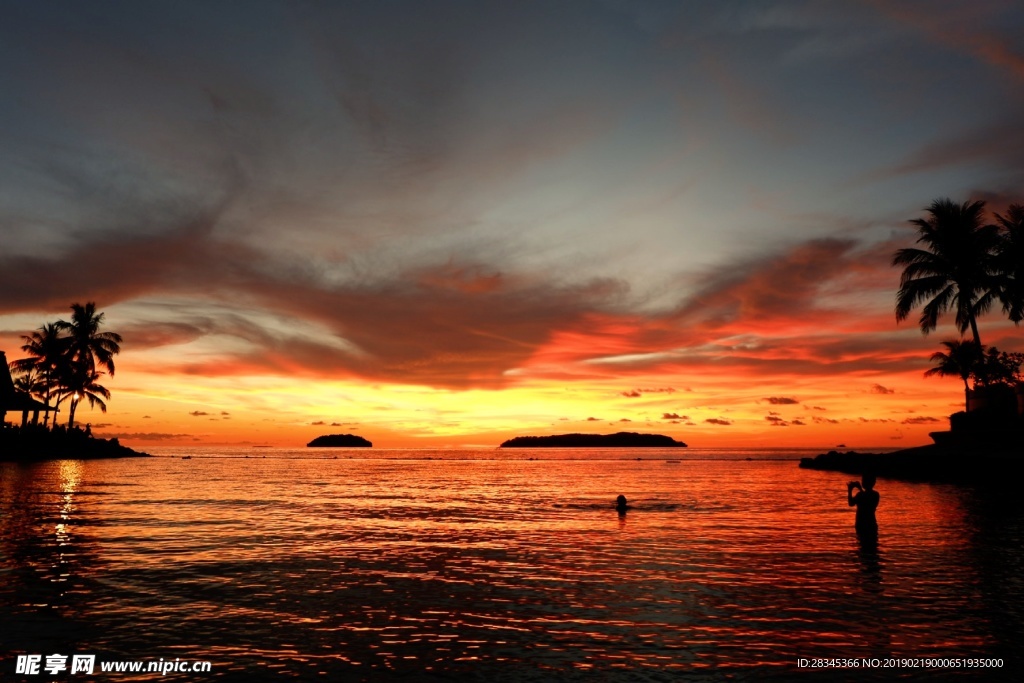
x,y
498,570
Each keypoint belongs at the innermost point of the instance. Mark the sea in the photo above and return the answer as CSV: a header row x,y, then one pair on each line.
x,y
499,565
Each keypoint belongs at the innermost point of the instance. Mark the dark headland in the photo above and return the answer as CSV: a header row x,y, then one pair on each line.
x,y
617,440
32,442
339,441
978,447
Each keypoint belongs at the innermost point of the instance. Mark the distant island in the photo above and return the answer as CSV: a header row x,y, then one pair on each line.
x,y
617,440
339,441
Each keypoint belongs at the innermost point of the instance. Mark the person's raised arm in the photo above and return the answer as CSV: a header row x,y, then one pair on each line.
x,y
850,498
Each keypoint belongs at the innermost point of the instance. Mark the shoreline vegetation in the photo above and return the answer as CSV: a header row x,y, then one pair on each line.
x,y
64,361
617,440
965,266
35,443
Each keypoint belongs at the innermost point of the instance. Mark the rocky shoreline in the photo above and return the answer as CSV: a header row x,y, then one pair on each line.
x,y
32,444
965,463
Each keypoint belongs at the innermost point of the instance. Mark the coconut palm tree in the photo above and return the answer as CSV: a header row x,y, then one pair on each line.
x,y
30,382
46,349
963,359
1010,261
955,269
87,346
80,385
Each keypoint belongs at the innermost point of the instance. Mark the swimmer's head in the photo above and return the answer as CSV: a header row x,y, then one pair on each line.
x,y
620,502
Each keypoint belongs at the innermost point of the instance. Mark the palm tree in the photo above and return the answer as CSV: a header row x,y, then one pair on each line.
x,y
962,360
954,270
87,346
78,385
29,382
1010,259
46,349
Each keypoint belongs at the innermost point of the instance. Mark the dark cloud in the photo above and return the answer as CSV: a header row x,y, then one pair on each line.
x,y
593,419
318,423
674,416
146,436
776,421
798,423
198,413
1000,143
183,162
824,420
922,420
781,401
717,421
779,286
879,389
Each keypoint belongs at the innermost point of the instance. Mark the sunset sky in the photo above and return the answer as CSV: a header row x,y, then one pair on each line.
x,y
449,223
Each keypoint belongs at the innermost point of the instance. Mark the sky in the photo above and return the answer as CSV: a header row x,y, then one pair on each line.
x,y
444,224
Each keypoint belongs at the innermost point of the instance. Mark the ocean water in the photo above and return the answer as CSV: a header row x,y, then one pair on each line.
x,y
500,565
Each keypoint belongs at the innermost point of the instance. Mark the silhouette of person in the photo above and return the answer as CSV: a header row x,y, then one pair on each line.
x,y
866,501
620,504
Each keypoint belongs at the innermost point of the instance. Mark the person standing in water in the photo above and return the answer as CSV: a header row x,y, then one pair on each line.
x,y
866,501
621,505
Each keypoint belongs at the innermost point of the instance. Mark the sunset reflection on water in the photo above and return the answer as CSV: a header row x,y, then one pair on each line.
x,y
503,569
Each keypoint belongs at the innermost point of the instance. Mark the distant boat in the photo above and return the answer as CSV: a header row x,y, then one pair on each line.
x,y
186,457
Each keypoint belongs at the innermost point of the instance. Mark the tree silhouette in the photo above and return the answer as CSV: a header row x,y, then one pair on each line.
x,y
67,356
81,384
962,360
1010,261
955,269
29,382
87,346
47,352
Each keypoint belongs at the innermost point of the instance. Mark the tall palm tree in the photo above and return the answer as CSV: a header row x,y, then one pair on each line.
x,y
962,360
953,270
1010,260
87,346
46,349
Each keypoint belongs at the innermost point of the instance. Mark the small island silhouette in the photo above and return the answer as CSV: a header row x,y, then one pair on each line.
x,y
617,440
339,441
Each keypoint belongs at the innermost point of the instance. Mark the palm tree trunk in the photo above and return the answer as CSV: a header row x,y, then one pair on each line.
x,y
974,331
967,395
46,417
71,413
